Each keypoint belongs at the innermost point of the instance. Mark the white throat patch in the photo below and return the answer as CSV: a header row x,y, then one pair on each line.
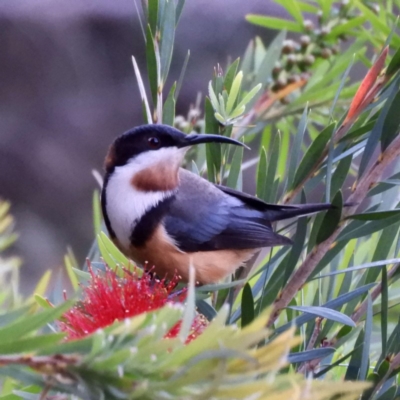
x,y
126,205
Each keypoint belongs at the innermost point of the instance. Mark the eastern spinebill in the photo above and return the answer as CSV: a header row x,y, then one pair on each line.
x,y
162,215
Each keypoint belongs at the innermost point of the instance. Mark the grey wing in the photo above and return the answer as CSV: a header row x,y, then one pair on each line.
x,y
203,218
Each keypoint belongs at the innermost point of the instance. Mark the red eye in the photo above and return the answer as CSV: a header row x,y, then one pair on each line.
x,y
153,142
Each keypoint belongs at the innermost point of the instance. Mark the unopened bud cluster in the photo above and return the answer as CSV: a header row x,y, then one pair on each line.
x,y
315,43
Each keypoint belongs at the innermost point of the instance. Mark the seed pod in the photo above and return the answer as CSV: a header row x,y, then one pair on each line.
x,y
326,53
308,25
293,78
288,46
308,59
325,30
291,60
305,40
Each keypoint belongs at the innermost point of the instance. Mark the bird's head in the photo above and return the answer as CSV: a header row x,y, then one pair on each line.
x,y
153,153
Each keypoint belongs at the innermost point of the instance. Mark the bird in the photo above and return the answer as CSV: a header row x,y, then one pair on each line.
x,y
166,217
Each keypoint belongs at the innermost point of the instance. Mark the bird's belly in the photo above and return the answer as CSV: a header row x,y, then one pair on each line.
x,y
161,254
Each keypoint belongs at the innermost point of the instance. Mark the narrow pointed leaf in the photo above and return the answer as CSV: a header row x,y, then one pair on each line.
x,y
247,305
392,121
332,304
151,61
167,38
270,194
296,148
262,175
310,355
327,313
169,107
372,264
274,23
152,15
21,328
230,75
331,219
373,216
179,9
312,155
264,72
236,165
182,75
367,341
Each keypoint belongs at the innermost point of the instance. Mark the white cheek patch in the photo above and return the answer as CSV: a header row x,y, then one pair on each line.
x,y
126,205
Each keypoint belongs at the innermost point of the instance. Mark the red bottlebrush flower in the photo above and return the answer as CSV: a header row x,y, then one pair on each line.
x,y
109,298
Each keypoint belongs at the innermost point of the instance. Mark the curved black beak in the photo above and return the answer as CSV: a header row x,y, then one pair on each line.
x,y
197,138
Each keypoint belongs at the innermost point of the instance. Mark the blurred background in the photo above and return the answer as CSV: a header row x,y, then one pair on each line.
x,y
68,89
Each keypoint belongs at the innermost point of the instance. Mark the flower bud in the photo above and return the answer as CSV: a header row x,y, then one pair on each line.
x,y
305,40
308,25
288,46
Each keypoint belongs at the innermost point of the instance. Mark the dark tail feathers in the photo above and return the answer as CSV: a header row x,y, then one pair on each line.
x,y
280,212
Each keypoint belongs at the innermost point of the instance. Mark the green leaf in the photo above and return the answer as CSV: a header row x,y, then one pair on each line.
x,y
384,312
293,7
213,151
97,216
356,229
182,75
42,302
340,361
312,155
151,60
346,27
394,64
112,255
392,122
240,108
310,355
296,148
190,308
213,98
289,264
341,173
233,93
71,274
35,343
236,166
230,75
374,216
169,107
331,219
274,23
270,194
326,6
247,305
332,304
353,368
364,364
142,90
272,55
327,313
179,9
152,15
262,175
372,264
29,323
167,38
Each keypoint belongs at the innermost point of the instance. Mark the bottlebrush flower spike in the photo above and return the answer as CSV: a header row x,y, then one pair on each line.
x,y
109,298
